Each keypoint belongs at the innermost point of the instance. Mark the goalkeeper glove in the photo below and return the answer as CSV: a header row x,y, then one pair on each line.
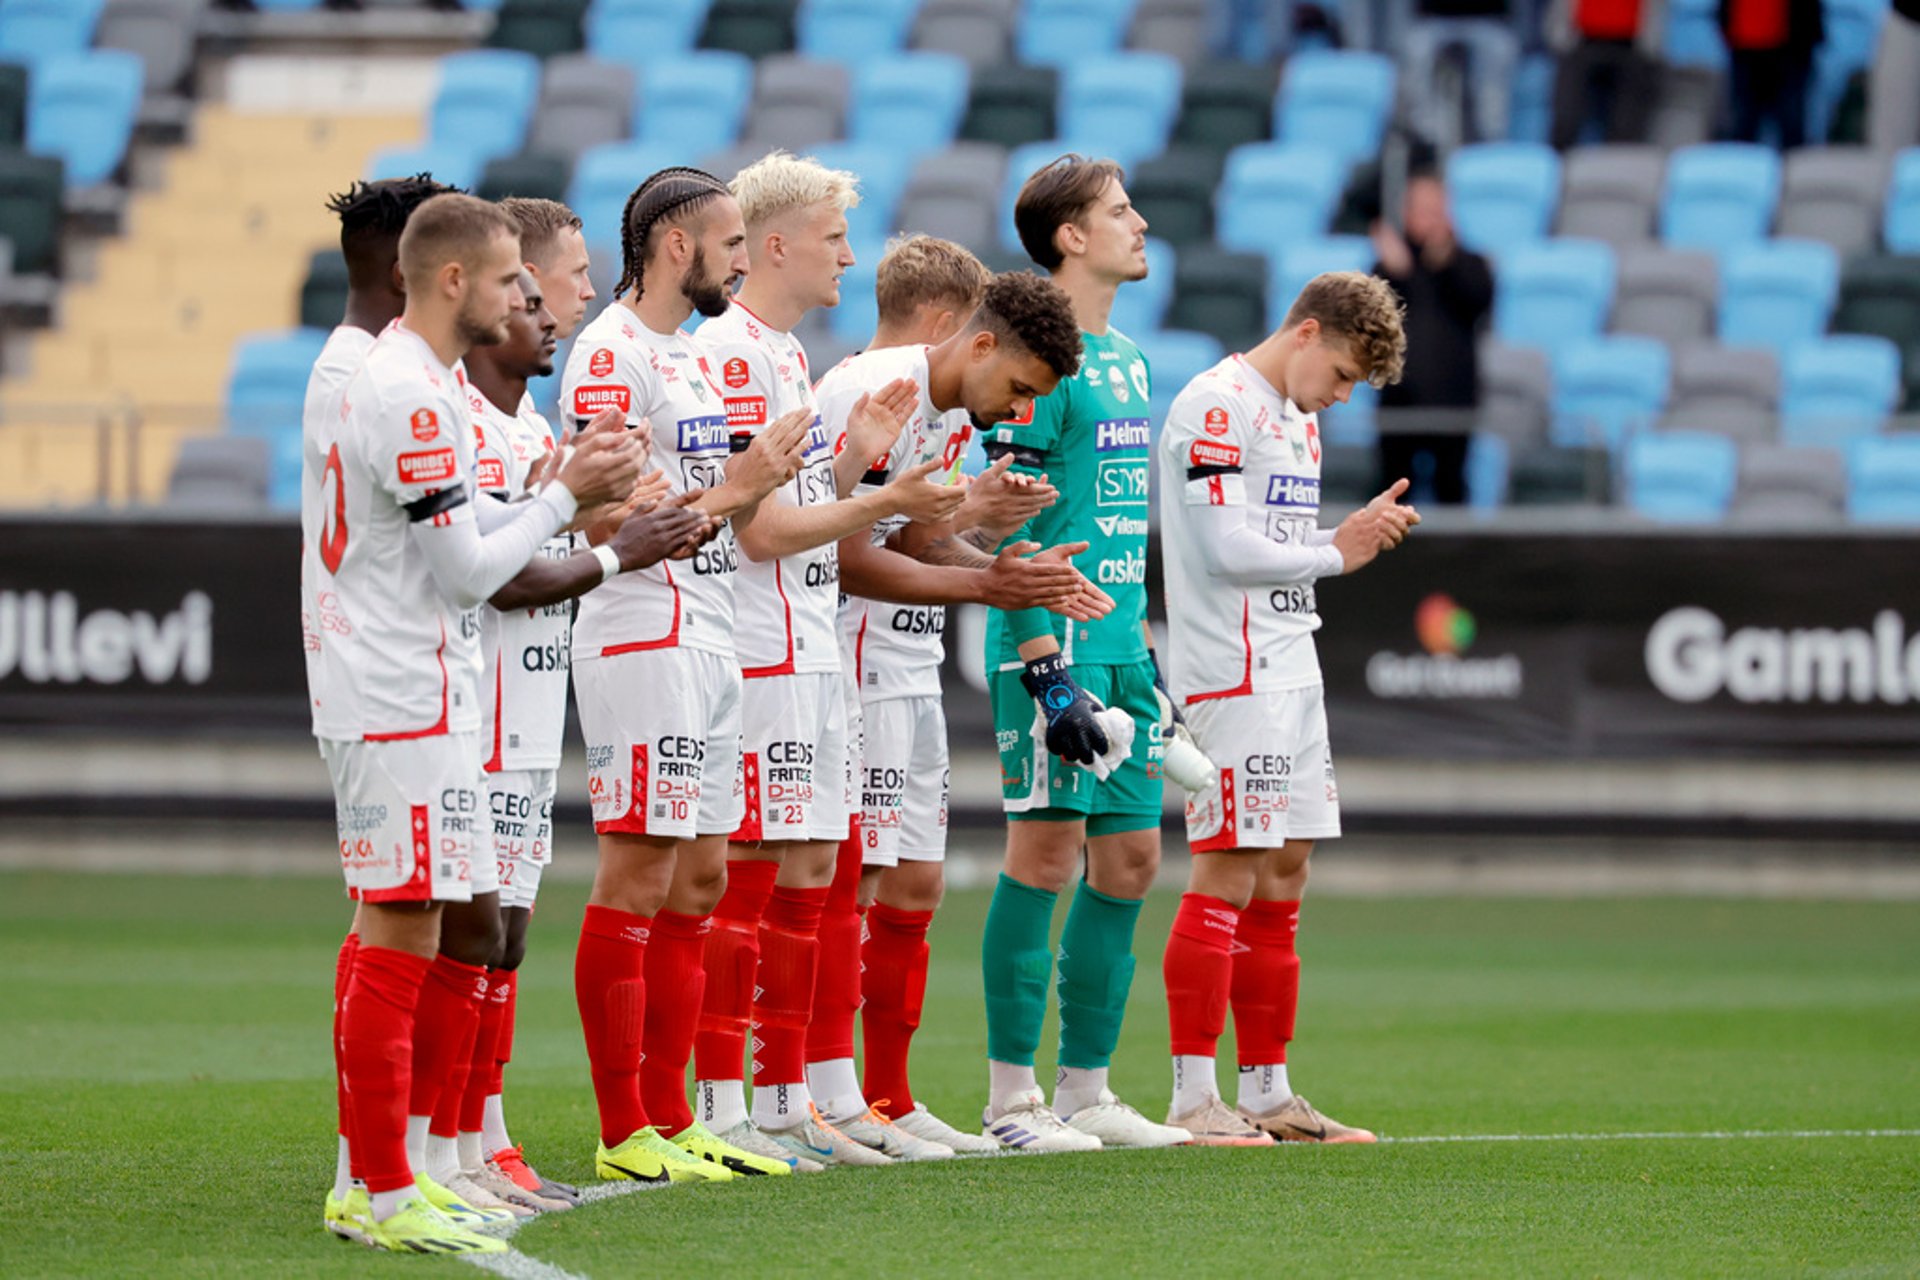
x,y
1072,732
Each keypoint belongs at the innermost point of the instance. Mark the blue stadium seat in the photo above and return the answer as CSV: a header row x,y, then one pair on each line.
x,y
858,314
1301,260
1681,477
1835,389
33,31
1122,106
1553,294
694,103
854,31
1175,357
1503,194
1058,33
485,100
448,162
81,109
267,382
1901,227
1275,193
1719,195
1693,35
603,179
1338,99
1777,294
1607,389
1141,305
883,174
1883,479
911,103
642,32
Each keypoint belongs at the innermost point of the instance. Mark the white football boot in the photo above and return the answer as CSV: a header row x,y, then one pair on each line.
x,y
814,1139
874,1130
750,1138
1027,1124
1118,1125
928,1127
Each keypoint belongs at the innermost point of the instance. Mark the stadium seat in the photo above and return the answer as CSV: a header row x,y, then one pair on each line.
x,y
1612,193
1607,389
909,103
1833,194
584,101
1719,195
1693,35
1901,229
1783,484
694,104
1335,99
1550,294
855,32
33,31
1669,294
221,473
1274,193
1503,194
1687,106
1058,33
1777,293
641,32
1883,480
13,104
82,109
1175,358
1301,260
30,210
1141,307
1121,107
1834,389
160,33
1226,105
267,382
798,103
955,194
448,162
883,174
855,319
531,173
323,295
1180,29
1173,191
1011,106
606,175
1221,293
1681,477
980,32
485,101
753,28
1729,391
1881,295
543,28
1516,388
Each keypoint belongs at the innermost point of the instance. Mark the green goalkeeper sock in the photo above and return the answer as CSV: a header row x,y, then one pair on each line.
x,y
1015,962
1096,973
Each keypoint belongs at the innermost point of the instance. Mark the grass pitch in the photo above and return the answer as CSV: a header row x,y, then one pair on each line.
x,y
166,1102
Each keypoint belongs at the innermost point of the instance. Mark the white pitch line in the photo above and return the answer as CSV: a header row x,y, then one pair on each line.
x,y
1715,1135
516,1265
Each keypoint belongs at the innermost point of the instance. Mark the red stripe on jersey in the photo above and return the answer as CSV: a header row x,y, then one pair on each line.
x,y
859,655
1246,678
493,761
785,666
668,641
419,885
751,825
1228,836
435,729
634,820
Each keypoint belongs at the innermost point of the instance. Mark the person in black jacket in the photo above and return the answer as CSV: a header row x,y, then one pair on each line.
x,y
1448,293
1770,44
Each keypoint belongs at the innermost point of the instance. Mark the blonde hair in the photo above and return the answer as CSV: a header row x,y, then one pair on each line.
x,y
1362,309
779,183
919,269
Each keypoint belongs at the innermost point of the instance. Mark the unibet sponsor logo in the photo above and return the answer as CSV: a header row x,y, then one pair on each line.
x,y
1691,657
1128,568
1446,631
1121,526
47,641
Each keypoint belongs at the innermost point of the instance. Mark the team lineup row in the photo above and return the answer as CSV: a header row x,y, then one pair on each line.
x,y
762,560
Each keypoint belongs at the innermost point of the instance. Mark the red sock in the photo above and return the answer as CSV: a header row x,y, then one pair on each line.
x,y
1266,981
504,1053
836,984
453,1093
376,1038
731,960
676,975
895,987
609,981
342,975
483,1071
443,1026
1198,967
789,960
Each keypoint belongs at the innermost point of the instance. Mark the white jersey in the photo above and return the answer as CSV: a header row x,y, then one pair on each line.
x,y
524,652
340,359
893,650
785,606
1231,440
400,660
665,379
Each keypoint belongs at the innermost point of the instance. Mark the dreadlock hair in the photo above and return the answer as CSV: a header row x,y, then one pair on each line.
x,y
677,191
372,214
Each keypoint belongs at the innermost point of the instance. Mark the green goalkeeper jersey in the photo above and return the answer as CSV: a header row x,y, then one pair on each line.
x,y
1090,437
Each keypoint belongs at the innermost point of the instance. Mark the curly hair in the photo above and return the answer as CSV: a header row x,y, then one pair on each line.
x,y
1361,309
372,215
1061,192
1033,314
920,269
671,194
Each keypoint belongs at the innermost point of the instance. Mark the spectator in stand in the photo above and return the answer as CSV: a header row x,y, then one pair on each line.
x,y
1893,95
1482,34
1770,44
1609,66
1448,292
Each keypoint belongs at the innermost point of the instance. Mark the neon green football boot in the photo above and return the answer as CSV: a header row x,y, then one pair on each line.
x,y
417,1227
698,1141
456,1210
648,1157
348,1218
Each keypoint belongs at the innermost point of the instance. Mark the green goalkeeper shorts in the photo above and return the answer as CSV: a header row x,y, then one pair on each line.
x,y
1036,785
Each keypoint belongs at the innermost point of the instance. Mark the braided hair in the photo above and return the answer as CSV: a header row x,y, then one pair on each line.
x,y
678,190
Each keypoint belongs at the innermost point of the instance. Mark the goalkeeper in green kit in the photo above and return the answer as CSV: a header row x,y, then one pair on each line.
x,y
1078,707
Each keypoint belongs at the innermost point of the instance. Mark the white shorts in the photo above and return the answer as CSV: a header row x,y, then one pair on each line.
x,y
903,790
1276,772
663,741
521,801
411,818
794,759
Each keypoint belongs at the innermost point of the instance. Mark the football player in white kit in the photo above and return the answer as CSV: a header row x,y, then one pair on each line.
x,y
404,557
764,953
1242,548
979,349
